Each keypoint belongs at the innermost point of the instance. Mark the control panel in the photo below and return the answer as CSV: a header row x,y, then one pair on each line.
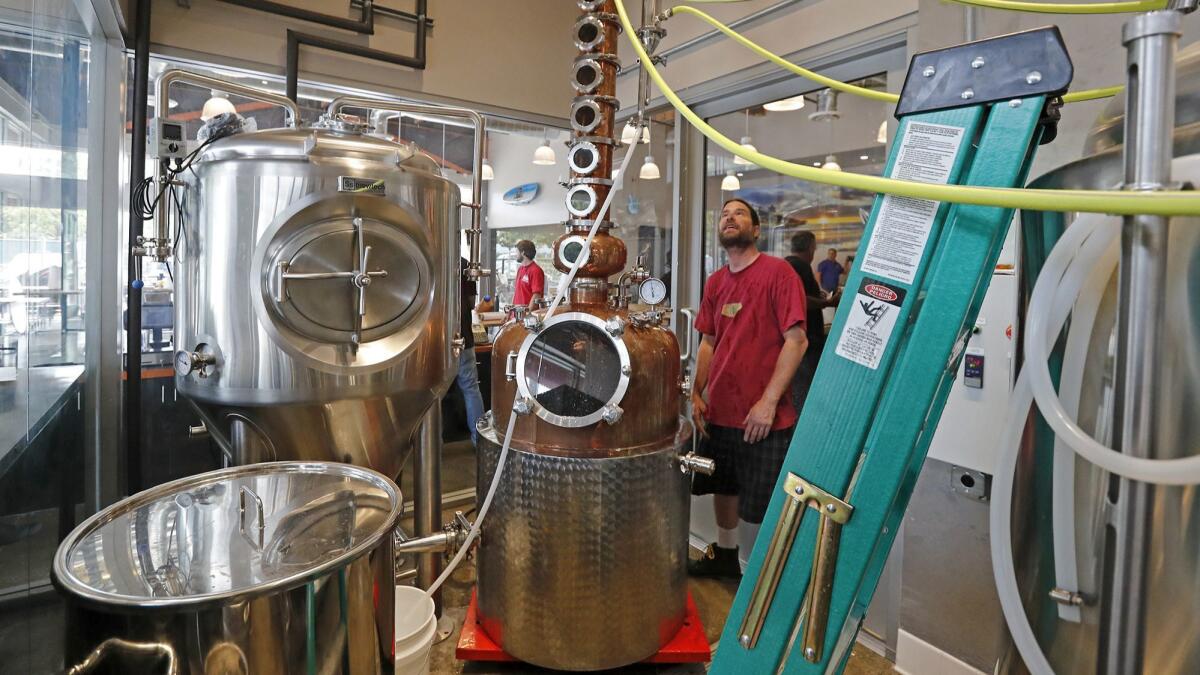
x,y
167,140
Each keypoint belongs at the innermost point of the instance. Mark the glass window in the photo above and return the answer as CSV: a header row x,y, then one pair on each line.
x,y
836,132
642,209
44,59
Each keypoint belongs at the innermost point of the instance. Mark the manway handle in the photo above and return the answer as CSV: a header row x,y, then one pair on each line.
x,y
257,541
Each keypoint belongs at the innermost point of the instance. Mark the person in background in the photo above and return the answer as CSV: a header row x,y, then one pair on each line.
x,y
804,252
530,284
752,317
830,271
468,374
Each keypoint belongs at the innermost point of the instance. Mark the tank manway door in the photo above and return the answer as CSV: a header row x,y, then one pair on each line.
x,y
347,281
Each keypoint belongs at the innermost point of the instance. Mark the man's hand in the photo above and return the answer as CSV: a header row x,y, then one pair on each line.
x,y
759,421
699,410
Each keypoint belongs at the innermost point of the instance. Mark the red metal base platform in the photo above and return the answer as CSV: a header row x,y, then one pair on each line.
x,y
688,646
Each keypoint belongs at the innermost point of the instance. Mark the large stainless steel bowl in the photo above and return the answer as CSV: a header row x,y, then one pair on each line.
x,y
262,569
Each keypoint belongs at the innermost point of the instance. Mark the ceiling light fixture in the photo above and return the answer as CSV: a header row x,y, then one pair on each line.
x,y
881,137
826,106
746,144
649,169
544,155
785,104
218,104
831,163
486,173
730,182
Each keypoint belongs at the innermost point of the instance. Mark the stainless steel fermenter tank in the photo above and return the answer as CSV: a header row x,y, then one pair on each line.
x,y
317,292
1066,573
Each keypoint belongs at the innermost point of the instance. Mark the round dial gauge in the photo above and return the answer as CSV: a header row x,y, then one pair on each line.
x,y
653,291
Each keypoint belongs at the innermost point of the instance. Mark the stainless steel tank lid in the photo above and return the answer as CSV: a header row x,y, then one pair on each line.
x,y
227,535
307,142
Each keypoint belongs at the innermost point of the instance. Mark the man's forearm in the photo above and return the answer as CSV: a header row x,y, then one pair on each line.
x,y
703,363
794,346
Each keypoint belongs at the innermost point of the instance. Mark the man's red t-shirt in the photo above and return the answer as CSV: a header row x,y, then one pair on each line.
x,y
747,312
530,279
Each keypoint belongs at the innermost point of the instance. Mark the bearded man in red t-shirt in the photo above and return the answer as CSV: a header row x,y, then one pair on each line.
x,y
752,319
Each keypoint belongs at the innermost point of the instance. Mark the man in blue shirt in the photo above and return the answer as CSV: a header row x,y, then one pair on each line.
x,y
830,271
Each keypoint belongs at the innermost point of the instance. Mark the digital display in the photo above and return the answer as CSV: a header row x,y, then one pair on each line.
x,y
172,132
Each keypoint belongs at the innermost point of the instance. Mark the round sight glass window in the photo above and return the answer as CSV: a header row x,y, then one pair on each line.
x,y
573,369
571,251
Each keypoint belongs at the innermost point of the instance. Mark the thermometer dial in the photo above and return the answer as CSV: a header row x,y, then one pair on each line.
x,y
653,291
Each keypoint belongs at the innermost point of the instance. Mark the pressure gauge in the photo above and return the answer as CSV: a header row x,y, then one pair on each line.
x,y
653,291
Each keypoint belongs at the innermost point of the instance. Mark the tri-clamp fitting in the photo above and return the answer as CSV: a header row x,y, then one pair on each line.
x,y
693,463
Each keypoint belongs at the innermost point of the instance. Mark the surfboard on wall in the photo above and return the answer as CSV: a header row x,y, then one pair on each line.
x,y
522,194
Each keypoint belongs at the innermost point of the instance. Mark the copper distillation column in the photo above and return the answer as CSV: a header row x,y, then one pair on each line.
x,y
582,557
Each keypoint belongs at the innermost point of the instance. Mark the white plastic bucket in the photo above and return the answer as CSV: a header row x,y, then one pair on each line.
x,y
416,625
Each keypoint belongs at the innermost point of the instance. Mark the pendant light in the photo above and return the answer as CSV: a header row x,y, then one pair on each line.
x,y
649,168
630,132
746,145
730,182
785,104
218,104
486,172
544,155
826,106
831,163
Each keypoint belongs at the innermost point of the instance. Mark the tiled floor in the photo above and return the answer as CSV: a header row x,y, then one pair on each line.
x,y
712,597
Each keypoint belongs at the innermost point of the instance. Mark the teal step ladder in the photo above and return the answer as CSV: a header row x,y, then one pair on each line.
x,y
968,115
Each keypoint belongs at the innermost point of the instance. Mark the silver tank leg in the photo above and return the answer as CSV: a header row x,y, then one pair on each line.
x,y
427,497
1149,119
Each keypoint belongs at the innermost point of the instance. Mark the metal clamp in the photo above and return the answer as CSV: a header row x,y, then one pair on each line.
x,y
510,366
612,413
262,522
834,513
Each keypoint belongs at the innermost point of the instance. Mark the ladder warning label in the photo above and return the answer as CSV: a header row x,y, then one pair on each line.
x,y
926,154
872,319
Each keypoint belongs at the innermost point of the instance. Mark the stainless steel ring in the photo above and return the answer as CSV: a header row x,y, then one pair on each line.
x,y
581,209
587,75
583,157
586,115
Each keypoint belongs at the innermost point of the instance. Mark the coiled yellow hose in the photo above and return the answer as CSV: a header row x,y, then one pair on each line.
x,y
846,87
1164,203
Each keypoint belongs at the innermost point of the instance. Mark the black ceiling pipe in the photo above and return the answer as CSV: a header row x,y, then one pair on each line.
x,y
410,17
365,24
133,313
297,39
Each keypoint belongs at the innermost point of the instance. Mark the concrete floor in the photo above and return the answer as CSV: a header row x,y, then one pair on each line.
x,y
713,599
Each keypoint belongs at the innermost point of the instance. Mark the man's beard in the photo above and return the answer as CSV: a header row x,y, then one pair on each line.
x,y
739,239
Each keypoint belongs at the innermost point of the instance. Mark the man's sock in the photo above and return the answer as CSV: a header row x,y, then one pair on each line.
x,y
746,534
727,538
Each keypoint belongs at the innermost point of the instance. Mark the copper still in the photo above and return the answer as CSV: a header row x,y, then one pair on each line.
x,y
582,560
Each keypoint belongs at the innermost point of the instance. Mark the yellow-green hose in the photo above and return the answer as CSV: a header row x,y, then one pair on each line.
x,y
884,96
1165,203
1068,7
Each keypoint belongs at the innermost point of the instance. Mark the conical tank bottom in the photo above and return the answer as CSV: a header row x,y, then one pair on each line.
x,y
376,433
